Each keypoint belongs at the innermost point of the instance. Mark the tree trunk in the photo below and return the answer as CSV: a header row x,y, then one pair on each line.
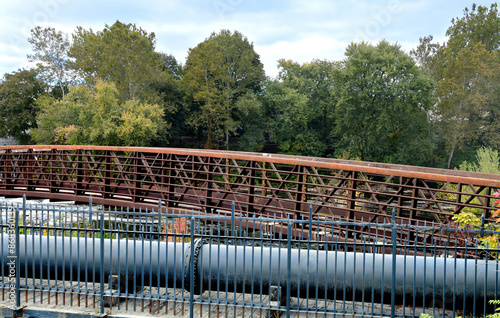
x,y
62,88
450,157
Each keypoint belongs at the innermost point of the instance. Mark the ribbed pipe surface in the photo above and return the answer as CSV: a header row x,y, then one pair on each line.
x,y
313,273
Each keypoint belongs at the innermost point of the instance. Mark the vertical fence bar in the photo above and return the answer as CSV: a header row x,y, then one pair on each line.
x,y
394,242
101,270
425,269
191,272
33,231
289,267
382,287
476,250
2,231
25,224
18,274
232,219
496,272
309,237
485,280
160,224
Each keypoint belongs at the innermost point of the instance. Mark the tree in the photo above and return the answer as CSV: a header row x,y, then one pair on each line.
x,y
19,92
288,118
50,49
314,80
123,54
171,64
466,69
464,95
218,72
172,97
430,56
478,25
96,116
253,136
383,99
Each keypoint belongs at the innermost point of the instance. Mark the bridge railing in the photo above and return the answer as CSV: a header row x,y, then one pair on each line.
x,y
62,258
259,184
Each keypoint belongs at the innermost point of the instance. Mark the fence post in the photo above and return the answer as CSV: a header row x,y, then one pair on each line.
x,y
18,264
482,225
309,237
90,212
232,219
288,267
191,271
394,242
160,230
102,262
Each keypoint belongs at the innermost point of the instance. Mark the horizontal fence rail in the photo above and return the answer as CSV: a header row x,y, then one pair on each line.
x,y
117,261
259,184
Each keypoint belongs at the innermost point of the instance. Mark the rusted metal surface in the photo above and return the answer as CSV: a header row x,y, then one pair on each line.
x,y
259,184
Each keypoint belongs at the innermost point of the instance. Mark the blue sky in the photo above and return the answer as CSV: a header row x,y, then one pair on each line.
x,y
300,30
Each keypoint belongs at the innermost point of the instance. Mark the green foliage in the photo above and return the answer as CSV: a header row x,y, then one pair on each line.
x,y
469,218
171,64
171,98
303,127
467,70
121,53
478,25
496,314
463,95
50,49
96,116
429,56
19,92
218,72
252,123
288,120
488,161
383,99
139,123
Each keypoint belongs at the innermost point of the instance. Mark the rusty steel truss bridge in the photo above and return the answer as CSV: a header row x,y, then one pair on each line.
x,y
258,184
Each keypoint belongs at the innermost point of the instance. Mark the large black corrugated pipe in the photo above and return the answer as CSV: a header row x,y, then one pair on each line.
x,y
339,275
324,274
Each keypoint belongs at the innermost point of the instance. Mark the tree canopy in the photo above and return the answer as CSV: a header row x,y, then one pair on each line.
x,y
121,53
50,48
19,92
383,99
97,116
218,72
478,25
464,95
299,107
435,106
466,69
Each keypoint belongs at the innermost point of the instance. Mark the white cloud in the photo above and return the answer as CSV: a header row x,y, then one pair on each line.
x,y
302,51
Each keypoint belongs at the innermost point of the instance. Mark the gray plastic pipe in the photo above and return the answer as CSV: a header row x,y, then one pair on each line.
x,y
323,274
